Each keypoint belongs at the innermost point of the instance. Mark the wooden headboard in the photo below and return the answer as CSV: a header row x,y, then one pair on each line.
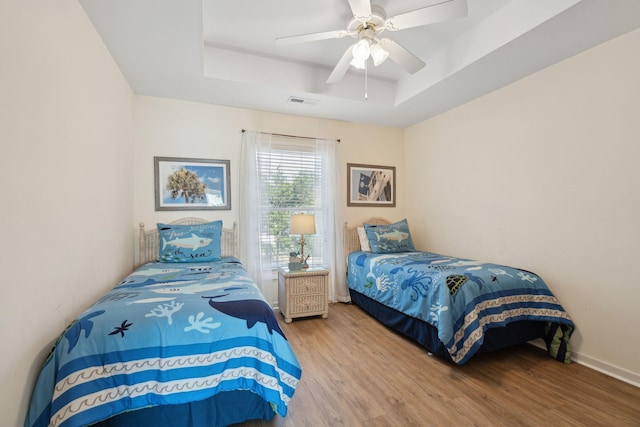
x,y
148,250
350,234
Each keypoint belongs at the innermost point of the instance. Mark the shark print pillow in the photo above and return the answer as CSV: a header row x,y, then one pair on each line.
x,y
389,238
189,243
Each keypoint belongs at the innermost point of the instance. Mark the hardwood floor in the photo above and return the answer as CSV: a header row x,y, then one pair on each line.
x,y
356,372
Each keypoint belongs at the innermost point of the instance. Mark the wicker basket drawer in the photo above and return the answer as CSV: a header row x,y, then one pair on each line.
x,y
307,285
306,304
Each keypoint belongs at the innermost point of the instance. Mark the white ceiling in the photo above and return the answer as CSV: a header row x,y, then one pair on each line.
x,y
224,52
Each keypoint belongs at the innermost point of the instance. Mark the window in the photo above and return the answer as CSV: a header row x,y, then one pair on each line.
x,y
280,176
291,182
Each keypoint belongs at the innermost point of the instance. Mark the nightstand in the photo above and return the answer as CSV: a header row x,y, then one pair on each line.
x,y
303,293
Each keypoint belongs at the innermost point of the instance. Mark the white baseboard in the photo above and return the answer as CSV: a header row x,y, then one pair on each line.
x,y
598,365
607,369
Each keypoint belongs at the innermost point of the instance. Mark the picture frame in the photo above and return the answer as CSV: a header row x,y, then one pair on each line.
x,y
207,179
371,185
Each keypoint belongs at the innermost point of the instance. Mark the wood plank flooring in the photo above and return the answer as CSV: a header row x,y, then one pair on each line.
x,y
356,372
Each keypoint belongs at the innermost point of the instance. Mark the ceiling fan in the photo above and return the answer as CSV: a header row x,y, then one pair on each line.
x,y
368,23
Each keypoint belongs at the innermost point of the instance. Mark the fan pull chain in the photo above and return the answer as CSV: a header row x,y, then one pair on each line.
x,y
366,82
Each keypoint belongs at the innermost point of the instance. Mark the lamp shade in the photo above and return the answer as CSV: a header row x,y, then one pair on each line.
x,y
379,54
361,50
358,63
302,224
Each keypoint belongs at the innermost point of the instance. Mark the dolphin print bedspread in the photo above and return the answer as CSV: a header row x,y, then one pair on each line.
x,y
167,334
461,298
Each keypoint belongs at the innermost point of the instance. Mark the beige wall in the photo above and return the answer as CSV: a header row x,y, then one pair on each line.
x,y
67,201
544,175
170,128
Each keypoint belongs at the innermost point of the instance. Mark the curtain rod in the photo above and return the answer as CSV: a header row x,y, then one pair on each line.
x,y
290,136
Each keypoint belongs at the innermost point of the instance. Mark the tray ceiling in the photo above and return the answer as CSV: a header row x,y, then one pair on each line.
x,y
224,52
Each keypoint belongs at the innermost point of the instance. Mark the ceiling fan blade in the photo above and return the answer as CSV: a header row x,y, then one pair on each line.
x,y
360,8
304,38
343,65
402,56
439,12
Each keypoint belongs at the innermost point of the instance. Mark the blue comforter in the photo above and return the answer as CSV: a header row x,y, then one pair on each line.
x,y
167,334
461,298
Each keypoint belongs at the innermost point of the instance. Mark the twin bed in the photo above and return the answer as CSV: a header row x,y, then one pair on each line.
x,y
188,340
453,307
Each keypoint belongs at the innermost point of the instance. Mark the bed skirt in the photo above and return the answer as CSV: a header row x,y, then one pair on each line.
x,y
427,335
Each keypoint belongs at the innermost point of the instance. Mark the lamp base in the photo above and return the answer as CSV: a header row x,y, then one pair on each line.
x,y
295,266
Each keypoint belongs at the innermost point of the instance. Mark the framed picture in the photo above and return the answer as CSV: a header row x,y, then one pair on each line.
x,y
371,185
191,184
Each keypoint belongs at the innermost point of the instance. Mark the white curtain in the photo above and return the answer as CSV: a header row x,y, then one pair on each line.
x,y
252,188
332,216
250,191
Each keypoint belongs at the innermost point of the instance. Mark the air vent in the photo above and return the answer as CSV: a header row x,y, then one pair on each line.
x,y
297,100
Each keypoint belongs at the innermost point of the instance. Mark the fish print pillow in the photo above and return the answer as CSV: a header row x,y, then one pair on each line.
x,y
189,243
389,238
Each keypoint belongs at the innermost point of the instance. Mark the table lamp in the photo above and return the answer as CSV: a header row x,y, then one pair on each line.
x,y
302,224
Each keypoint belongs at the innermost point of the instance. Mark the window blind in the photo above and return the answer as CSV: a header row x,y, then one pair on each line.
x,y
290,183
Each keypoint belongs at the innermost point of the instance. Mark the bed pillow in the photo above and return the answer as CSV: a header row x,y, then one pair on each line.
x,y
364,240
389,238
189,243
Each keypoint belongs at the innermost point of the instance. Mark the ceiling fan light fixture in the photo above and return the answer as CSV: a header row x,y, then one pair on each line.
x,y
361,50
367,24
378,54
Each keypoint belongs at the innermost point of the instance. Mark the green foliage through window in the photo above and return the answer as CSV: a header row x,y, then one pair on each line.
x,y
291,179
